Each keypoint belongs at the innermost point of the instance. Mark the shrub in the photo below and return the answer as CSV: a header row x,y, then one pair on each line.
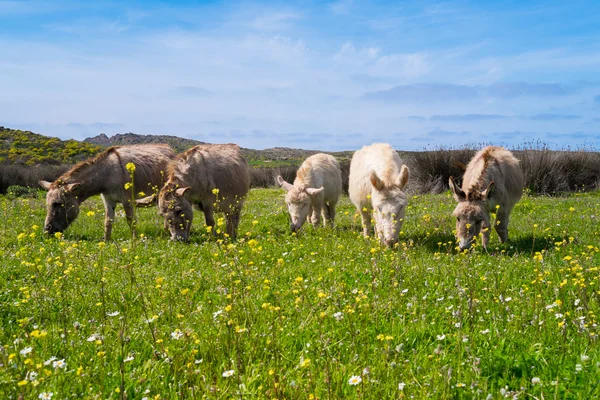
x,y
21,191
430,170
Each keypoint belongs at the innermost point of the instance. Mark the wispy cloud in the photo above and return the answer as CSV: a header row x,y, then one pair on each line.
x,y
468,117
193,91
554,117
425,92
274,21
266,74
341,7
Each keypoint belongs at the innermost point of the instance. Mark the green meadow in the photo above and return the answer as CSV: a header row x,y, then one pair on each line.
x,y
325,314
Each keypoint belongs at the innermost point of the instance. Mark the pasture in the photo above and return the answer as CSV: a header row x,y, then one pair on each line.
x,y
321,314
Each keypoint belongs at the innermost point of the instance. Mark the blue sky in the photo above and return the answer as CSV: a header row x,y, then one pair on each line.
x,y
329,76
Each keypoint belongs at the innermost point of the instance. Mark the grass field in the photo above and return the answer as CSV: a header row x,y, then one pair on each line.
x,y
326,314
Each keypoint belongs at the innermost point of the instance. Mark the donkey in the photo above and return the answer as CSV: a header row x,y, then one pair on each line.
x,y
215,177
316,190
106,174
492,183
376,183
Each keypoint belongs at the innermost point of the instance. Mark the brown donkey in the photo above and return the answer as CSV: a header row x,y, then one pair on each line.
x,y
215,177
492,183
106,174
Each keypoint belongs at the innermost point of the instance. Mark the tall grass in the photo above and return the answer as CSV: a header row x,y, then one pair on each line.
x,y
324,314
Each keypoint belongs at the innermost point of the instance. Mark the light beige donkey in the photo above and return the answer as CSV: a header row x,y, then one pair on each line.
x,y
315,192
376,183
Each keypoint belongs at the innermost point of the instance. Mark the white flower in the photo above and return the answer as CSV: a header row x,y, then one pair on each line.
x,y
130,358
576,302
45,395
338,316
441,337
59,364
93,338
457,325
113,314
229,373
465,339
217,313
177,334
535,380
401,386
584,357
405,291
32,376
578,367
198,361
25,351
485,332
354,380
49,361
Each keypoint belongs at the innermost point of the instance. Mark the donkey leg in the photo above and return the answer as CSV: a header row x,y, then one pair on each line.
x,y
130,215
109,216
316,214
233,220
485,235
502,224
325,214
366,221
208,208
331,212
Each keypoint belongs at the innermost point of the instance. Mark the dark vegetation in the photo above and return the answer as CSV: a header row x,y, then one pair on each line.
x,y
26,158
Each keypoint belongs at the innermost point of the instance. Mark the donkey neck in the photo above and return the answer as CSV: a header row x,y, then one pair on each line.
x,y
92,181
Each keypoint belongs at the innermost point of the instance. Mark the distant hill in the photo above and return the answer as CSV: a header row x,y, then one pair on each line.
x,y
28,148
178,144
276,156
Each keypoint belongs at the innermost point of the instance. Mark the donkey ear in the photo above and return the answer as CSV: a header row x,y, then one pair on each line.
x,y
281,182
487,193
72,187
458,193
146,201
403,177
376,182
45,184
182,191
314,192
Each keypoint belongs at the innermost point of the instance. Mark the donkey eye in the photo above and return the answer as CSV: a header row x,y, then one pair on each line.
x,y
458,219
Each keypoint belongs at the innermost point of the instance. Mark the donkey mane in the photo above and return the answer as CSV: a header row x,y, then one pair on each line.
x,y
79,167
174,167
480,167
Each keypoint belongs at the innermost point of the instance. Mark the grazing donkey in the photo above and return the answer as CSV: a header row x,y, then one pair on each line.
x,y
213,176
493,182
106,174
315,191
377,178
